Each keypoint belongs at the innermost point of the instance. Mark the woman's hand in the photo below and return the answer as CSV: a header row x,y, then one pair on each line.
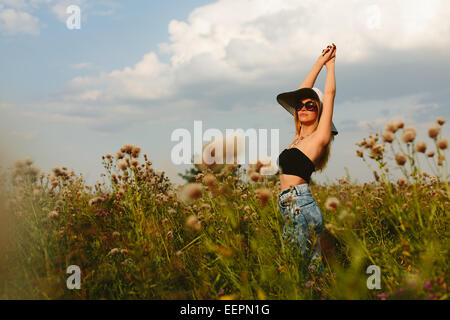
x,y
328,55
332,58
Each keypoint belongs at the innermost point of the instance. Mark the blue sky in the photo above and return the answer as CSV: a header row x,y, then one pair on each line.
x,y
137,70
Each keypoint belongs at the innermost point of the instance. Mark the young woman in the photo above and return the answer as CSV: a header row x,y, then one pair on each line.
x,y
308,152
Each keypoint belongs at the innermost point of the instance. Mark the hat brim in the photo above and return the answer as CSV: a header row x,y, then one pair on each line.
x,y
288,100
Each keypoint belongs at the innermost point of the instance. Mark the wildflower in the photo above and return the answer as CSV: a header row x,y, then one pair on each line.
x,y
119,155
331,203
254,176
124,251
247,209
193,223
401,159
179,253
108,156
122,164
126,148
116,234
370,143
433,131
409,133
399,124
121,191
135,150
54,214
359,153
388,136
263,194
391,127
382,296
210,180
427,285
430,154
94,201
421,146
220,292
205,206
134,162
244,196
114,251
308,283
443,143
171,211
331,228
401,181
441,121
191,191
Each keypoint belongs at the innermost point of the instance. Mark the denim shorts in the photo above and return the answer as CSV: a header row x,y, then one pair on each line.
x,y
303,221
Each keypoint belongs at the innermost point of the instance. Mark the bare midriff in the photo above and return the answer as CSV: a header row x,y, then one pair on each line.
x,y
288,180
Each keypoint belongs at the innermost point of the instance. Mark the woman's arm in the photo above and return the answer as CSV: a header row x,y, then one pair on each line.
x,y
317,67
312,75
324,127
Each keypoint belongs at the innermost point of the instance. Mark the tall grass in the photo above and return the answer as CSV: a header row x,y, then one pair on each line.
x,y
138,236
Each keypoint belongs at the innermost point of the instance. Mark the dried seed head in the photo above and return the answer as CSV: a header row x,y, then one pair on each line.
x,y
263,194
401,159
433,131
191,191
193,223
255,176
122,164
399,124
388,136
210,180
421,146
442,143
331,203
391,127
409,133
441,121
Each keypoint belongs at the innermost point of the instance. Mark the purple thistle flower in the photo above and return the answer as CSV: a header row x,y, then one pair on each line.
x,y
221,292
382,296
427,285
308,283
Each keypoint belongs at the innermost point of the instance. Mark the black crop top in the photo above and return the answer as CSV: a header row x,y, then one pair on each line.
x,y
294,161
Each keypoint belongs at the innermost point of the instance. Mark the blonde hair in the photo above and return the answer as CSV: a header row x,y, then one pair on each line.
x,y
322,161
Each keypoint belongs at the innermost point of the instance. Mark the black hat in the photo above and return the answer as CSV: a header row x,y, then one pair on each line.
x,y
289,100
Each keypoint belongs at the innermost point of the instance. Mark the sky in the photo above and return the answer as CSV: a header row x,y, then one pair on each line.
x,y
135,71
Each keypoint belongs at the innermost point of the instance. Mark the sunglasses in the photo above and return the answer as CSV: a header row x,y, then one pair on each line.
x,y
310,106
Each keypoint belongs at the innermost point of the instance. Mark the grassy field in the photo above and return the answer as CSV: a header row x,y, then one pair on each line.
x,y
137,236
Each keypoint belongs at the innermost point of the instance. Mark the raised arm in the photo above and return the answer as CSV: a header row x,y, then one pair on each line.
x,y
324,127
317,67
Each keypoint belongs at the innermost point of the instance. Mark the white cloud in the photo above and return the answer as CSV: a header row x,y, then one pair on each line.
x,y
82,65
248,44
13,21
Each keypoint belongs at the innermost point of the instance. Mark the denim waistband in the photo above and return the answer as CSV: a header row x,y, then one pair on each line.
x,y
300,189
